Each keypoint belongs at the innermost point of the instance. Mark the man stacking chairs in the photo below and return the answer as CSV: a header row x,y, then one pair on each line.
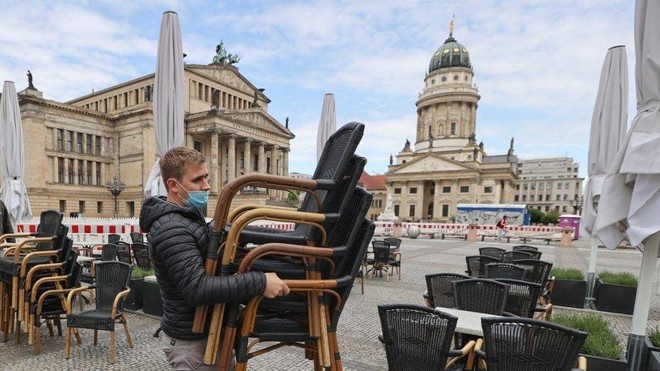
x,y
327,194
513,344
419,338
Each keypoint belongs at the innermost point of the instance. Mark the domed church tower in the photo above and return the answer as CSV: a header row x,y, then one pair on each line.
x,y
447,107
446,166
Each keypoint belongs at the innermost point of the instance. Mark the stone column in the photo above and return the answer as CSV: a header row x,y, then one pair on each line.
x,y
261,165
231,166
214,163
247,156
437,208
285,161
273,159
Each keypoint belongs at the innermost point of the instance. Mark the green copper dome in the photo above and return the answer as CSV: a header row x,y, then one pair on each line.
x,y
450,54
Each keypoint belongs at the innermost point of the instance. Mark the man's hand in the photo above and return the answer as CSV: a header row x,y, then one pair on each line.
x,y
275,286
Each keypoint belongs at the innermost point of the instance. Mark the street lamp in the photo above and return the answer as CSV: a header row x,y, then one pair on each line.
x,y
577,204
115,186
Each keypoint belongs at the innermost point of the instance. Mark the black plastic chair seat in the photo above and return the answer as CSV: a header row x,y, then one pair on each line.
x,y
95,319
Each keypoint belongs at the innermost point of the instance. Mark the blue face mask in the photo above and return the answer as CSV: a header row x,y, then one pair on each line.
x,y
197,199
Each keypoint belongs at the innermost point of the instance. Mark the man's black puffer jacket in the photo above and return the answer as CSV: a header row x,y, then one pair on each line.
x,y
177,238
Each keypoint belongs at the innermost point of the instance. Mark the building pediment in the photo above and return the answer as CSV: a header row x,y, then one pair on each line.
x,y
227,75
253,120
430,163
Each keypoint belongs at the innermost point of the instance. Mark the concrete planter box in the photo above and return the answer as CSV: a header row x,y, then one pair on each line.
x,y
569,293
653,355
614,298
151,302
599,363
134,298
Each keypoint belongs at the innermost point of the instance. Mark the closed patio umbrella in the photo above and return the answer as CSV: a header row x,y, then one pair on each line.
x,y
327,123
608,128
14,193
168,97
630,199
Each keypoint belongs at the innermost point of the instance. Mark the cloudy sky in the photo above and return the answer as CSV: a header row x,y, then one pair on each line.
x,y
536,62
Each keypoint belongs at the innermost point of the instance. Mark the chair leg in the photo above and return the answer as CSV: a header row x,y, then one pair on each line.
x,y
128,335
96,336
37,340
112,347
67,344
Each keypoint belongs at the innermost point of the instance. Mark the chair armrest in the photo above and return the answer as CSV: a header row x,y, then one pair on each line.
x,y
72,294
41,281
457,354
41,267
28,244
35,254
289,250
380,338
42,298
581,364
115,305
247,207
13,235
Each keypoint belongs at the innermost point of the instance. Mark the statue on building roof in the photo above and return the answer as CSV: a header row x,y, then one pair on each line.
x,y
407,146
256,95
391,159
29,76
481,145
286,122
222,57
451,26
510,152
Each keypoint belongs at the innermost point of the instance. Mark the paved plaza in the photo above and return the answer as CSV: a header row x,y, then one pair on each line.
x,y
359,325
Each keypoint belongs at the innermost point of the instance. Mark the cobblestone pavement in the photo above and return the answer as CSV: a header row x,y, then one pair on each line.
x,y
358,328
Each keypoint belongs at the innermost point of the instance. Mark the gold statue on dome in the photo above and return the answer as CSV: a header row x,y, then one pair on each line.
x,y
451,26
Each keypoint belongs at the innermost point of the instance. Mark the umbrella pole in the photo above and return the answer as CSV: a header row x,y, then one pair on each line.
x,y
635,350
591,273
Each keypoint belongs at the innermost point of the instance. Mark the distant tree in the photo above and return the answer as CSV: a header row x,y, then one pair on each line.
x,y
551,218
536,215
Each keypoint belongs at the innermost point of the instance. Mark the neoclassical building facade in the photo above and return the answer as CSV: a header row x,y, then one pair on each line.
x,y
74,148
447,166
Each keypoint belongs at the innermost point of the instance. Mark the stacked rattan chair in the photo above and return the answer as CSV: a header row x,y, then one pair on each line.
x,y
327,194
291,320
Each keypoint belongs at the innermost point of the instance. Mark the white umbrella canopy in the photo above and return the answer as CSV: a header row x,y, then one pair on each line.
x,y
608,128
630,199
168,97
327,123
14,193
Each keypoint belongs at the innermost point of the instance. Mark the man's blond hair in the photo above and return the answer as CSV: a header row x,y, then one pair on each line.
x,y
173,163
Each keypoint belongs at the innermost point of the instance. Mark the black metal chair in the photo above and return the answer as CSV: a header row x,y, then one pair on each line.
x,y
481,295
395,254
439,289
141,255
111,290
381,259
495,252
476,265
114,238
510,256
137,237
517,344
522,298
535,270
504,270
124,252
108,253
526,247
418,338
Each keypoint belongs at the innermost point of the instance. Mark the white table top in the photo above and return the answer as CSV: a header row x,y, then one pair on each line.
x,y
84,259
468,322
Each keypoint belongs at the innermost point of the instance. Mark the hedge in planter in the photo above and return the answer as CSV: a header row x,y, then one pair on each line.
x,y
615,292
570,287
602,348
652,342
